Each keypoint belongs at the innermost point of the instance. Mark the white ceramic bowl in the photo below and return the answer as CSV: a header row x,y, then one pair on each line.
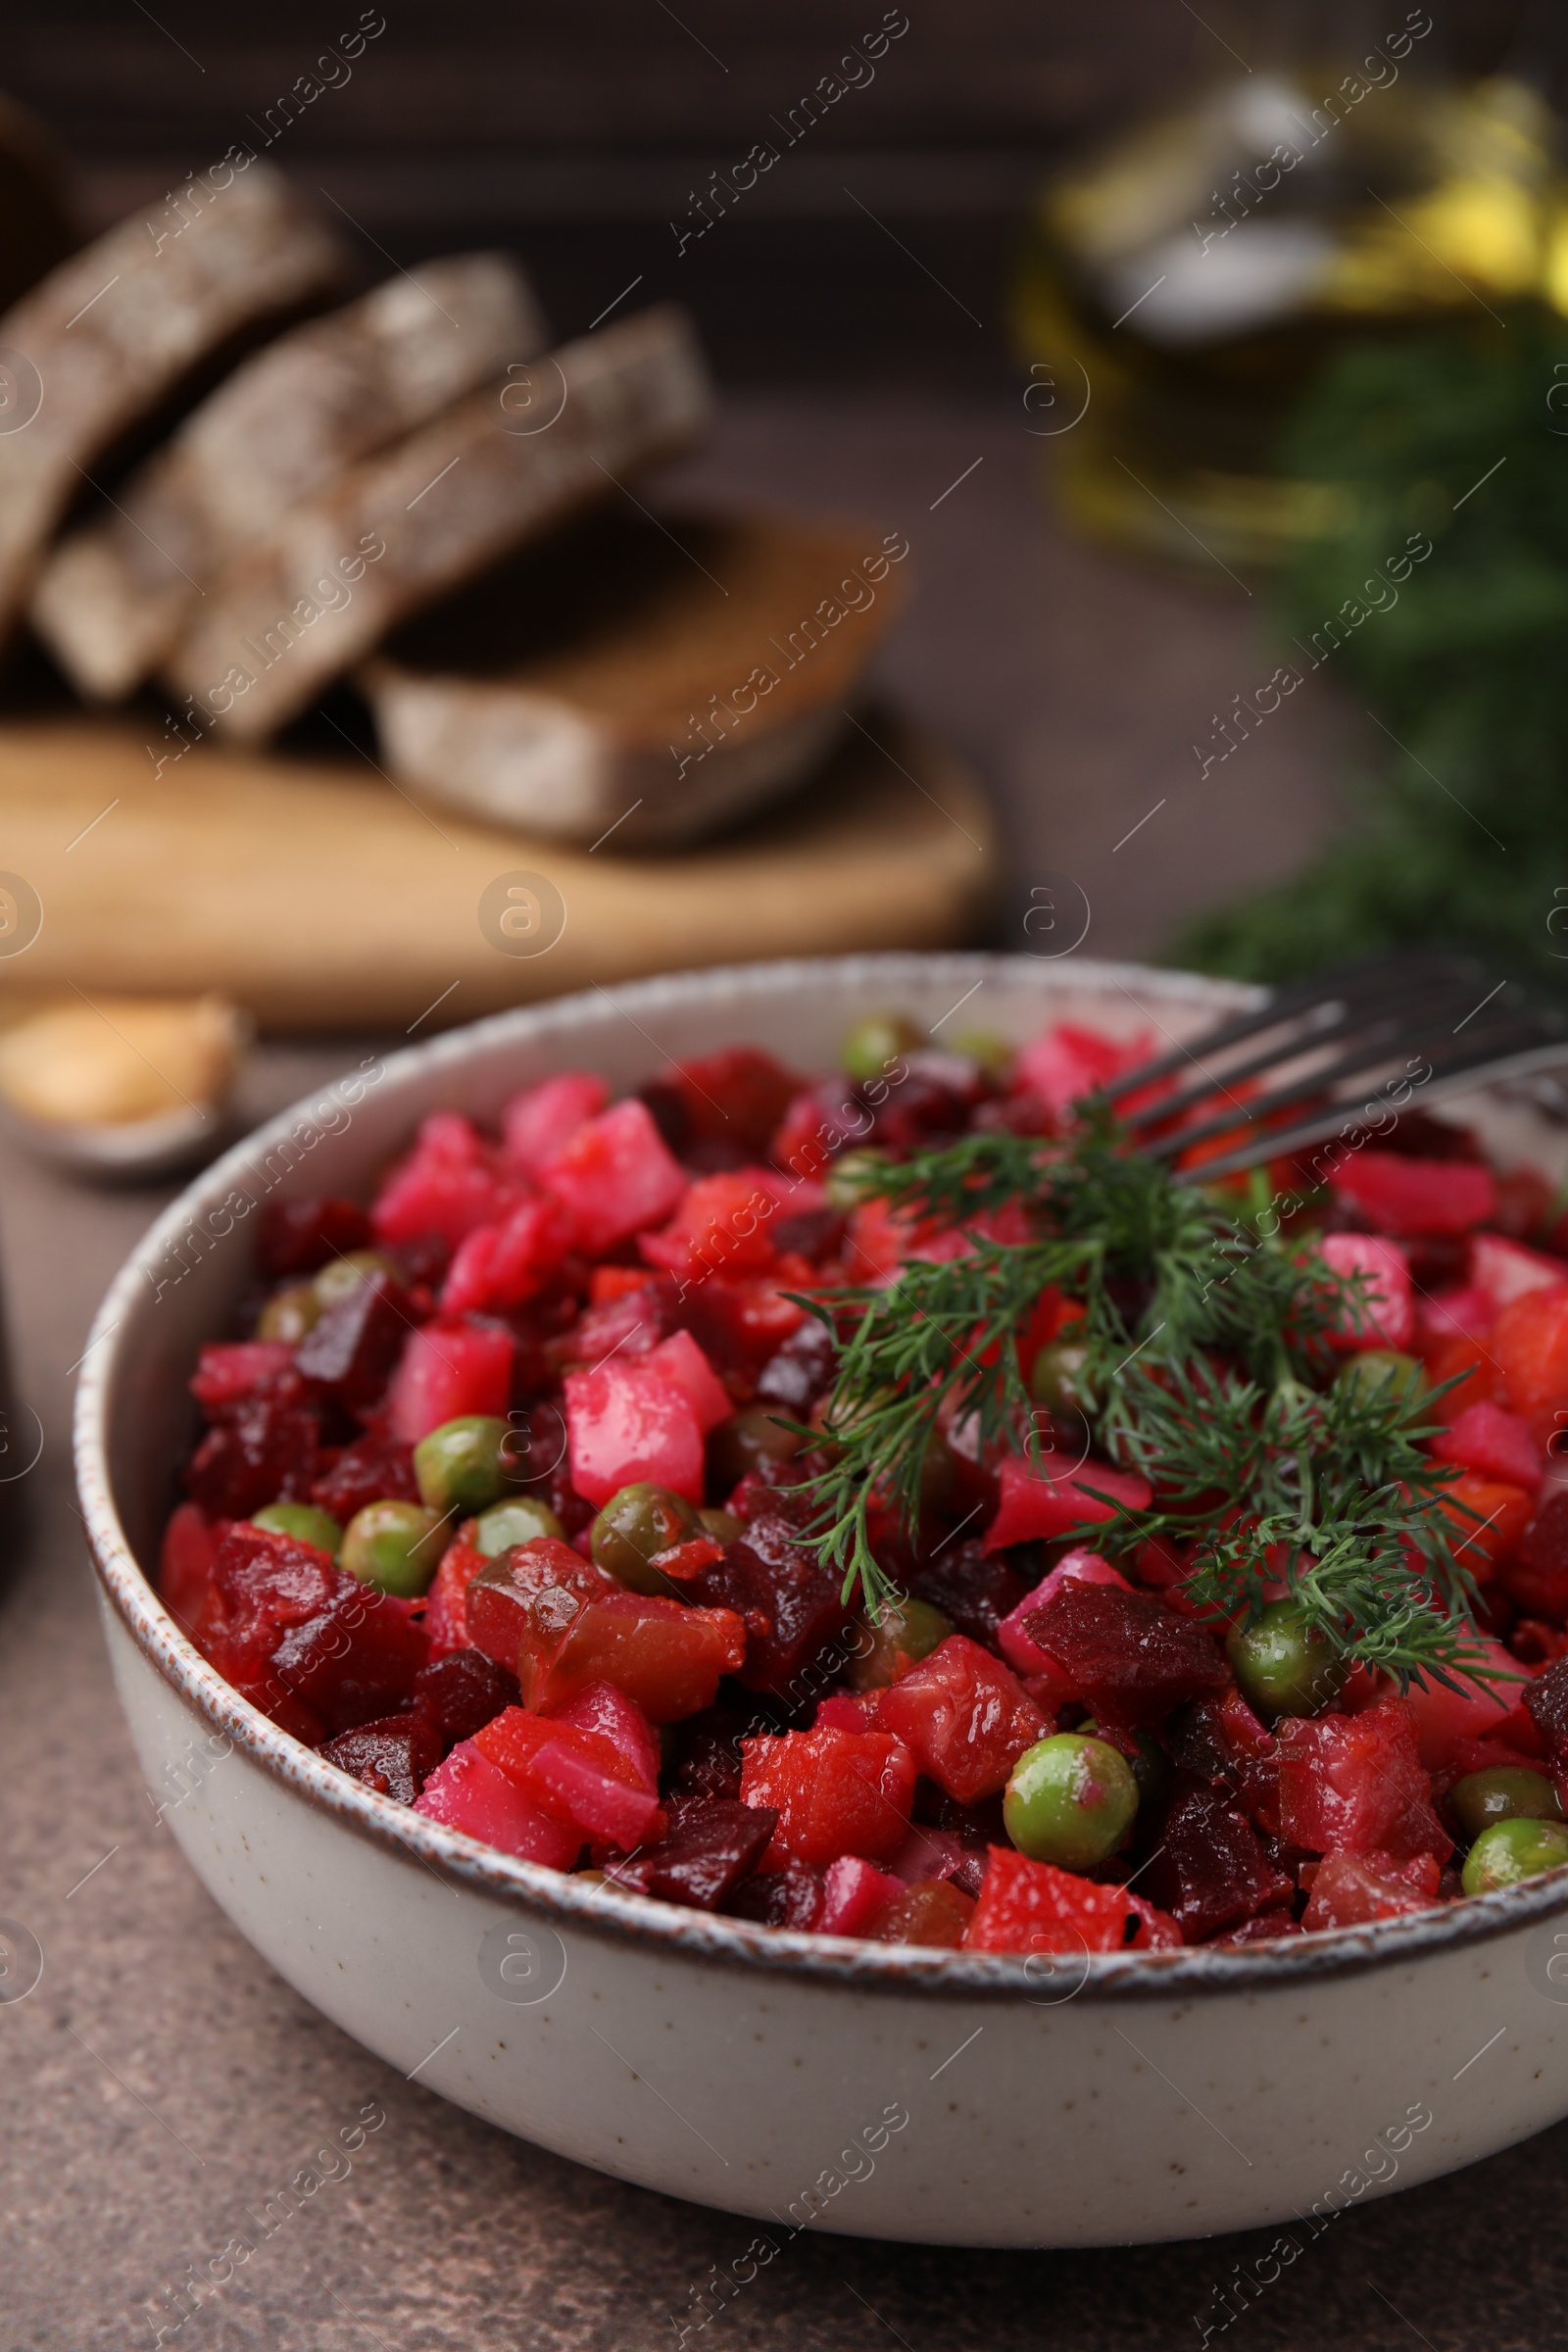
x,y
946,2097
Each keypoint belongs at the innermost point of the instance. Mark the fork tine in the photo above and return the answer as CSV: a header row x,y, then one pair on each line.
x,y
1503,1037
1357,985
1454,1074
1350,1024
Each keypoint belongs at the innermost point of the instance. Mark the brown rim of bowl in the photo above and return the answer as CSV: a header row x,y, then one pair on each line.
x,y
636,1919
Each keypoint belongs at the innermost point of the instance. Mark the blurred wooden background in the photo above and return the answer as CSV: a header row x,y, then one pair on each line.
x,y
576,131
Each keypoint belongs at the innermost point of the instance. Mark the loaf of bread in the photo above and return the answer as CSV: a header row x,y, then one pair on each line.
x,y
114,598
309,600
651,679
114,339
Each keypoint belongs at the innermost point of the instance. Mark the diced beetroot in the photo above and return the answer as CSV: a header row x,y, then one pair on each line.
x,y
931,1912
445,1622
537,1125
610,1715
458,1692
789,1896
615,1177
725,1220
1351,1889
712,1844
185,1564
1529,1345
296,1236
448,1370
789,1603
1029,1906
928,1854
1156,1931
1546,1702
1451,1314
1536,1576
265,1450
735,1097
1355,1784
1489,1516
1472,1712
375,1468
1498,1444
845,1711
581,1776
1502,1270
237,1369
1130,1655
353,1661
469,1793
628,1318
742,1320
835,1792
1397,1195
682,1363
1211,1871
1021,1651
668,1657
630,1422
1384,1317
854,1892
535,1587
496,1266
964,1717
1034,1504
354,1343
1267,1926
393,1756
450,1182
978,1590
259,1586
1066,1063
606,1808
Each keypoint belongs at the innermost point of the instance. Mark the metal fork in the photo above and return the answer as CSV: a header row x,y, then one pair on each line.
x,y
1341,1053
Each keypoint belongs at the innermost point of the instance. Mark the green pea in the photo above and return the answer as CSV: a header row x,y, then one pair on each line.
x,y
725,1527
750,1439
634,1525
853,1177
1071,1800
395,1546
987,1047
1285,1665
304,1522
1510,1851
1378,1374
914,1627
876,1042
290,1314
1057,1371
517,1522
1503,1792
340,1275
458,1465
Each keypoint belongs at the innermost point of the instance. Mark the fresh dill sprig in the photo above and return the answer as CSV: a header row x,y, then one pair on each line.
x,y
1201,1361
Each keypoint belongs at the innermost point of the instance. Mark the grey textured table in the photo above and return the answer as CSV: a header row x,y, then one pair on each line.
x,y
160,2081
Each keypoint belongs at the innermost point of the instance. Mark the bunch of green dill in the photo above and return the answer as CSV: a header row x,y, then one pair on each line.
x,y
1202,1362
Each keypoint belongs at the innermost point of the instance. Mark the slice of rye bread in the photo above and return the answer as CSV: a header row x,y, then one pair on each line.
x,y
117,337
657,681
114,598
390,536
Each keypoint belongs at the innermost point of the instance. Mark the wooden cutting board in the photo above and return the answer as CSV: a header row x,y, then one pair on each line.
x,y
319,896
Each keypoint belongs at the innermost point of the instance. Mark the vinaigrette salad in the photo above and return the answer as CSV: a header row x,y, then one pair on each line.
x,y
883,1504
